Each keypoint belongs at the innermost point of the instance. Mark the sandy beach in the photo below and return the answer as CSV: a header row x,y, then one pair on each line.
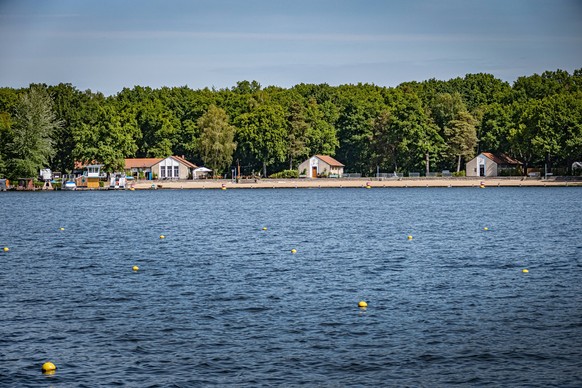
x,y
351,183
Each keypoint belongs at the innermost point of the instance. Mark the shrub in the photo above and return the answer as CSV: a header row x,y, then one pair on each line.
x,y
285,174
509,172
460,173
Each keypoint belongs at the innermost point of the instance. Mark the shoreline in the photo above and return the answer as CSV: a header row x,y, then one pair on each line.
x,y
355,183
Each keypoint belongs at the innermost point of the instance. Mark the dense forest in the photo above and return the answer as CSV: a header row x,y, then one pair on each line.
x,y
416,126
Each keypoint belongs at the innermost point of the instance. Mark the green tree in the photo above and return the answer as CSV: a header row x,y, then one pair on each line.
x,y
494,128
217,139
321,134
461,137
456,126
68,104
568,121
8,101
108,138
446,107
358,105
261,135
159,128
297,129
30,146
403,137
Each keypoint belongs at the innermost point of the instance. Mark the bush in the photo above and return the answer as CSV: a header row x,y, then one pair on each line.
x,y
285,174
510,172
460,173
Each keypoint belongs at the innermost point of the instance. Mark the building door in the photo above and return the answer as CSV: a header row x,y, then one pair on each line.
x,y
482,170
314,172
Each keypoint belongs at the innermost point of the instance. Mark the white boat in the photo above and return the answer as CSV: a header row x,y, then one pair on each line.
x,y
68,182
117,180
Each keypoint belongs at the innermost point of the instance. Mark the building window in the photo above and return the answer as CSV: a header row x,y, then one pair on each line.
x,y
162,171
176,171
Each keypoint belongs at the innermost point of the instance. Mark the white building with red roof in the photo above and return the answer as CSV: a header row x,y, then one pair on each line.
x,y
172,167
321,166
488,164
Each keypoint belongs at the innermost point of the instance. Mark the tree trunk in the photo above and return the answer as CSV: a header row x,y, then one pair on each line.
x,y
264,169
459,164
427,164
291,163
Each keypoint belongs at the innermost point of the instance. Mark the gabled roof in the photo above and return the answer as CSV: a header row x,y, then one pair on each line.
x,y
184,161
329,160
501,158
141,162
149,162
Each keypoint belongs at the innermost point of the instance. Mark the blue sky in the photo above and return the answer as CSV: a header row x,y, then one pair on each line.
x,y
106,45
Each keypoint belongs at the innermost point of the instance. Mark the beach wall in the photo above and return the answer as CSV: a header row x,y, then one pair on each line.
x,y
355,183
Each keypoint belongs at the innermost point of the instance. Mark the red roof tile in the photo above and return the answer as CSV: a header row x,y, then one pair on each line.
x,y
149,162
184,161
501,159
329,160
141,162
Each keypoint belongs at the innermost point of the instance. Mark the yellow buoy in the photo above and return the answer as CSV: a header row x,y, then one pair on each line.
x,y
49,367
135,268
485,228
409,237
525,270
61,228
362,304
264,228
6,249
162,236
293,250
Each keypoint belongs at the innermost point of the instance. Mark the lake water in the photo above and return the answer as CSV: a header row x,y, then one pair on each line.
x,y
220,301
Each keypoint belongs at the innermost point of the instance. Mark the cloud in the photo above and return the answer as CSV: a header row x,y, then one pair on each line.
x,y
306,37
38,16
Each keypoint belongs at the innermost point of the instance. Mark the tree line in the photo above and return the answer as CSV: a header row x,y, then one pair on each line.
x,y
414,127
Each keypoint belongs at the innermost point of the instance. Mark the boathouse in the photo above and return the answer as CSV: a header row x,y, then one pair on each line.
x,y
319,166
172,167
488,164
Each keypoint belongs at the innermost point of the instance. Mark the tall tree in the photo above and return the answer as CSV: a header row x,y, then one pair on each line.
x,y
8,101
68,104
108,138
462,137
30,146
261,135
321,133
216,139
159,128
457,126
297,129
403,136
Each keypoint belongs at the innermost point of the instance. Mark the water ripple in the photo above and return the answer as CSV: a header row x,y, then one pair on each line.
x,y
220,301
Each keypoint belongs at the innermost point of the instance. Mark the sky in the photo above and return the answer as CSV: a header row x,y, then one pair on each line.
x,y
106,45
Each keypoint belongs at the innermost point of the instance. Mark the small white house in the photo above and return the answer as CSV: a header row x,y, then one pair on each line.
x,y
321,166
488,164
